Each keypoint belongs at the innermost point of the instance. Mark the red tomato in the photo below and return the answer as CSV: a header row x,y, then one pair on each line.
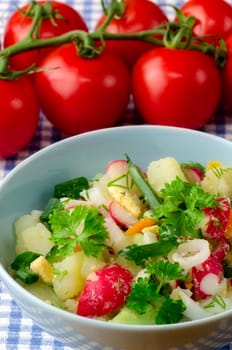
x,y
19,115
176,87
105,291
227,76
139,15
79,94
212,17
18,26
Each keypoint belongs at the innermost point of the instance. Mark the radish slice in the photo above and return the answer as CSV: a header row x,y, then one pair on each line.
x,y
121,216
191,253
117,239
221,249
193,174
211,284
73,203
118,170
193,310
105,291
207,277
216,220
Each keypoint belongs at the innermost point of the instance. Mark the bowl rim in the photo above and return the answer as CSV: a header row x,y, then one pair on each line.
x,y
101,324
124,128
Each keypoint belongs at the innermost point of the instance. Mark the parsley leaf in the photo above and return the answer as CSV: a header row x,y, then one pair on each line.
x,y
165,271
182,207
171,311
83,226
144,290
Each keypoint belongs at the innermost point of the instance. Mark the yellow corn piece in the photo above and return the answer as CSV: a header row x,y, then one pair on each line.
x,y
213,164
140,225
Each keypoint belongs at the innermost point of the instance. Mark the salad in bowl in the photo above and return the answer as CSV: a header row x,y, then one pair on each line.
x,y
130,245
121,238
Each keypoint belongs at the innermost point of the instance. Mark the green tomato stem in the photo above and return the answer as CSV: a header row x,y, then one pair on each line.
x,y
35,26
171,34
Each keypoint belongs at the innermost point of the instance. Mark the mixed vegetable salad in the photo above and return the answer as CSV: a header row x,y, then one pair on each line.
x,y
133,246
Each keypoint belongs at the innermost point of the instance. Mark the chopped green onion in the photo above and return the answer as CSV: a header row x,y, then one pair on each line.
x,y
140,253
71,188
21,265
53,203
24,259
26,276
143,185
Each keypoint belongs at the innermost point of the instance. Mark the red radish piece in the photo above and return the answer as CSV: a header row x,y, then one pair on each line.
x,y
207,277
73,203
216,219
105,291
121,216
193,173
118,170
221,249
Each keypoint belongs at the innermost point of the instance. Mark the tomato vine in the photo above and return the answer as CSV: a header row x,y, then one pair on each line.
x,y
176,35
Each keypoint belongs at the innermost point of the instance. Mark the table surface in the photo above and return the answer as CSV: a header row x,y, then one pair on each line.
x,y
18,332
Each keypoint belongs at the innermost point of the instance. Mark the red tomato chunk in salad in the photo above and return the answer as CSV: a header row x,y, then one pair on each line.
x,y
133,246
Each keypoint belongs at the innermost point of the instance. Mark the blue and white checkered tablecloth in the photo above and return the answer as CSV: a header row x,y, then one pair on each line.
x,y
17,331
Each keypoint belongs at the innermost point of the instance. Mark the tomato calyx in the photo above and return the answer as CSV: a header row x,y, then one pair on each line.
x,y
46,12
179,35
117,8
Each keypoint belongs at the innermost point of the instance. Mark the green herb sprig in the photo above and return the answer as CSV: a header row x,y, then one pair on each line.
x,y
148,291
83,226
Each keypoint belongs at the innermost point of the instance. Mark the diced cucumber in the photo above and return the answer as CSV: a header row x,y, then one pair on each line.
x,y
128,316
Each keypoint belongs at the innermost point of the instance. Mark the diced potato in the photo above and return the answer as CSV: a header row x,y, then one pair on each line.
x,y
98,193
91,264
36,215
24,222
129,264
218,181
67,277
163,171
34,238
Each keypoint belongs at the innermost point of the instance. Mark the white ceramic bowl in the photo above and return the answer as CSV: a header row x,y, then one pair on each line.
x,y
30,185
